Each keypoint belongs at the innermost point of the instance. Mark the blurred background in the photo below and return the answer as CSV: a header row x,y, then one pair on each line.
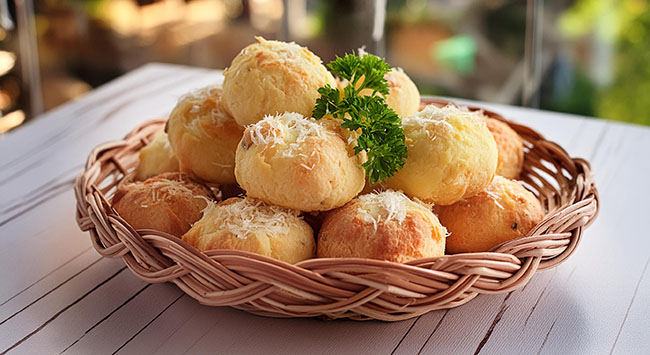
x,y
588,57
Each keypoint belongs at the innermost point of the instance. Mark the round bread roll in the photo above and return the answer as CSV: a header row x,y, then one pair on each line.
x,y
384,226
403,96
169,203
503,211
250,225
204,136
510,147
451,155
156,158
271,77
295,162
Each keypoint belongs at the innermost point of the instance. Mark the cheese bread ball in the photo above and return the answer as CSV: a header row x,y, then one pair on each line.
x,y
403,96
295,162
451,155
271,77
510,147
250,225
384,226
503,211
204,136
169,203
156,158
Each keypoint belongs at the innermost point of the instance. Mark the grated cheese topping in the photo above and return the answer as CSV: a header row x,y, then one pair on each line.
x,y
219,117
199,98
265,132
166,187
393,80
494,198
290,129
383,207
496,191
288,52
439,116
200,94
249,215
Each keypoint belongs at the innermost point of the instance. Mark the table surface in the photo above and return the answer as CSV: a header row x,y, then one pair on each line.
x,y
58,295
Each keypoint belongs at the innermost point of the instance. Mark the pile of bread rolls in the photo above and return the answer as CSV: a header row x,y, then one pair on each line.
x,y
243,166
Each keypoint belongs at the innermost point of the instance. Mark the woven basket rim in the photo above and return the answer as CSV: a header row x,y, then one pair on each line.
x,y
270,287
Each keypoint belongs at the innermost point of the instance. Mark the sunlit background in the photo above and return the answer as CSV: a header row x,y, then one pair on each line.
x,y
588,57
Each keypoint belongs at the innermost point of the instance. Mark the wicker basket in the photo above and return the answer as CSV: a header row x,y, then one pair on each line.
x,y
340,288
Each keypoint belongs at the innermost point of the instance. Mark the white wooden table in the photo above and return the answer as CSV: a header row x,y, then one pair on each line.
x,y
58,295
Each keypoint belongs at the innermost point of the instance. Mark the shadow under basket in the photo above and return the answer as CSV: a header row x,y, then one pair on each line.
x,y
341,288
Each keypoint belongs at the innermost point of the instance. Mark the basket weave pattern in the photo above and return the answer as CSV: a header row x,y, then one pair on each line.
x,y
340,288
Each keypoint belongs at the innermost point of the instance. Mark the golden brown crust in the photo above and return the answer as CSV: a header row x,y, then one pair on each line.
x,y
308,169
504,211
510,146
349,232
271,77
451,155
204,136
403,96
156,158
267,230
169,203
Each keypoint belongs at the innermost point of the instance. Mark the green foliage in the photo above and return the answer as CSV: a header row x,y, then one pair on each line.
x,y
381,135
628,97
623,26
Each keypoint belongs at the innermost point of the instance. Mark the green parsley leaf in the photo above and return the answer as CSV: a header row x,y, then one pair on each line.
x,y
381,135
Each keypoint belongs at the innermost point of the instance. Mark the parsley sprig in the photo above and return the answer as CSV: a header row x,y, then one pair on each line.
x,y
381,135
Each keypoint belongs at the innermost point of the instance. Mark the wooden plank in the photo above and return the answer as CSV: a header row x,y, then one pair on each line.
x,y
47,309
154,335
419,333
33,195
39,241
190,322
108,336
189,327
462,329
632,337
238,332
71,322
48,283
